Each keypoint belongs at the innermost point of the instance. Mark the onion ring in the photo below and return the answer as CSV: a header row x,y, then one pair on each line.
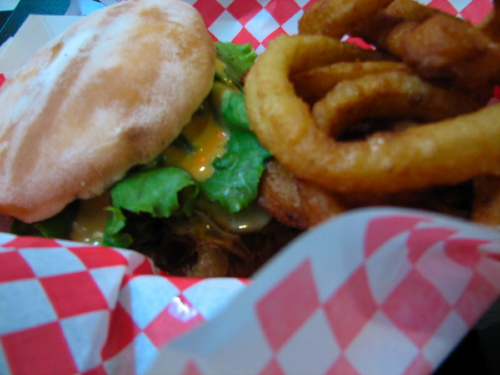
x,y
388,94
444,152
280,198
434,43
441,47
336,18
315,83
410,10
295,203
302,204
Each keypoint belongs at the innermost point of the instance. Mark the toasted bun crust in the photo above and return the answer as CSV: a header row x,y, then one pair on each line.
x,y
110,93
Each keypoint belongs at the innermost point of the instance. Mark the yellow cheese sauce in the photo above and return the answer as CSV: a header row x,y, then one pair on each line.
x,y
208,139
91,220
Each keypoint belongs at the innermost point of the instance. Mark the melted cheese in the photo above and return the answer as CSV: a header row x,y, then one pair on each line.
x,y
208,139
91,220
249,219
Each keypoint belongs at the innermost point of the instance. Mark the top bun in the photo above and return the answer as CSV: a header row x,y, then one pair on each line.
x,y
110,93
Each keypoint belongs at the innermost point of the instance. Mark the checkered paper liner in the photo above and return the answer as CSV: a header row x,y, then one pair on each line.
x,y
372,292
376,291
259,21
68,308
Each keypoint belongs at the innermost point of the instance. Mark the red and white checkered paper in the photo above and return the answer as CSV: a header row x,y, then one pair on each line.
x,y
375,291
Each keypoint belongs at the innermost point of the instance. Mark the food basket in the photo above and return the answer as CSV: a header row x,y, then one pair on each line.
x,y
373,291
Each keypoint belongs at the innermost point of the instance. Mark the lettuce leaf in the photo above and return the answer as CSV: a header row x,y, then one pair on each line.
x,y
232,110
152,191
159,192
113,235
235,181
237,60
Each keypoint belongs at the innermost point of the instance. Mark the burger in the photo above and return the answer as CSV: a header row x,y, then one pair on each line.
x,y
130,130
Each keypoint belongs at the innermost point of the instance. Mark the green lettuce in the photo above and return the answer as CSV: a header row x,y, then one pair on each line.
x,y
153,191
234,183
232,110
237,60
159,192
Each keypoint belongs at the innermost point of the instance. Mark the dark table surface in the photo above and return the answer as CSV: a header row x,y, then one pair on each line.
x,y
10,21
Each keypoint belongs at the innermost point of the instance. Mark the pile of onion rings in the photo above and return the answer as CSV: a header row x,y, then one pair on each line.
x,y
405,123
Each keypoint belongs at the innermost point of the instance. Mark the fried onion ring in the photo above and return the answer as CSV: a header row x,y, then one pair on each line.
x,y
410,10
280,197
444,152
315,83
293,202
388,94
434,43
336,18
303,204
441,47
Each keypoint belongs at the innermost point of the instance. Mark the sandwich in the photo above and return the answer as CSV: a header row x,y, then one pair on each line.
x,y
130,130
